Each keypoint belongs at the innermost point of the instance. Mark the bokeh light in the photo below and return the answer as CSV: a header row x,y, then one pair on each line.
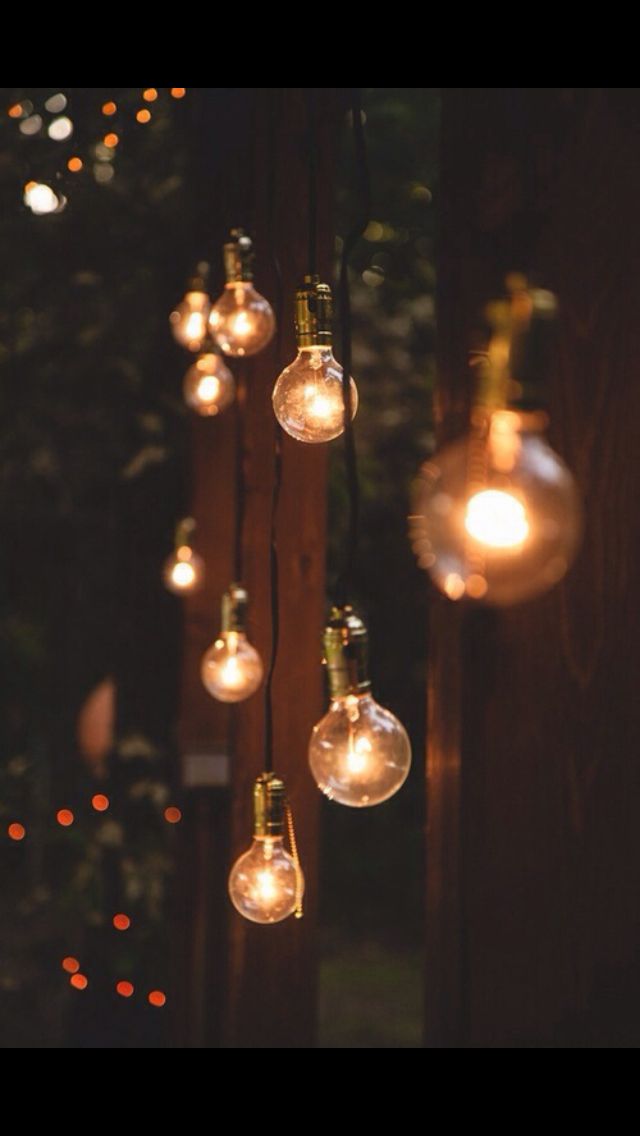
x,y
150,94
178,92
15,111
60,129
40,198
109,108
157,998
74,165
17,831
172,814
100,802
65,817
121,922
143,115
124,988
56,103
79,981
31,125
70,964
111,140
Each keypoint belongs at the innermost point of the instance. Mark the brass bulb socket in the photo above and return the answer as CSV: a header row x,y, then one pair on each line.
x,y
269,804
314,313
185,529
346,653
234,608
238,255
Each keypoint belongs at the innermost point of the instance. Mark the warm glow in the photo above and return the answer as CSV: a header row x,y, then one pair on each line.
x,y
111,140
358,752
157,998
79,981
60,129
241,325
150,94
70,964
109,108
143,115
208,388
100,802
231,668
195,326
178,92
15,111
65,817
74,165
124,988
172,814
17,831
496,519
266,886
454,586
121,922
183,574
40,198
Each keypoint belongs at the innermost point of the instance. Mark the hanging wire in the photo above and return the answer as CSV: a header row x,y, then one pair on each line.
x,y
312,156
344,586
240,487
277,432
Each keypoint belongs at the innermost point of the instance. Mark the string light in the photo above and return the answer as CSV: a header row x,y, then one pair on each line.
x,y
178,92
124,989
231,668
497,514
183,570
208,386
121,922
143,115
16,831
79,981
74,165
15,111
109,108
266,883
70,964
65,817
172,815
111,140
359,752
100,802
308,398
157,998
188,320
40,198
60,129
150,94
241,320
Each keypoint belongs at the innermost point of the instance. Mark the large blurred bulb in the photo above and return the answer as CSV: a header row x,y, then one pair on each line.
x,y
189,320
231,668
208,386
359,752
183,570
497,514
308,397
241,320
266,883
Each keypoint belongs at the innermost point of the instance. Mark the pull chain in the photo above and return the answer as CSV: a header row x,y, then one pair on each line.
x,y
293,845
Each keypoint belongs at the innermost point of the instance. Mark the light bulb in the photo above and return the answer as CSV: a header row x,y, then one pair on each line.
x,y
183,571
208,386
266,883
497,514
241,320
359,752
308,398
231,668
189,320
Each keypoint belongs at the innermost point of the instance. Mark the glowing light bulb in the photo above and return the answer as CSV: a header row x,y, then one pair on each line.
x,y
241,320
231,668
189,320
266,883
208,385
497,514
183,571
308,398
359,752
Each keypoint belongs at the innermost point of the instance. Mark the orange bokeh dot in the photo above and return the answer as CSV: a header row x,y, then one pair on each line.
x,y
143,115
17,831
150,94
111,140
100,802
79,981
157,998
125,988
172,814
15,111
65,817
75,165
109,108
121,922
178,92
70,964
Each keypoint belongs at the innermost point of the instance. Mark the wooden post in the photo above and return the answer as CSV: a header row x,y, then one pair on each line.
x,y
534,837
267,974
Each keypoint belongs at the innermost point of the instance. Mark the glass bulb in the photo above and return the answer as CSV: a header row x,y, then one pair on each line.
x,y
183,571
242,321
208,385
189,320
359,752
308,400
264,884
498,516
231,668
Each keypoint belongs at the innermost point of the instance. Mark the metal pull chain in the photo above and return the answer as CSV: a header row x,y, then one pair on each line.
x,y
293,845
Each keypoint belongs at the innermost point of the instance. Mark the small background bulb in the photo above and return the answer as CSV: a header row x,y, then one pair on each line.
x,y
266,884
189,320
242,321
232,668
208,385
183,571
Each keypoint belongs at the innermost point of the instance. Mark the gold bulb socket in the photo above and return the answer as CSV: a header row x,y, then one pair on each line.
x,y
346,651
234,608
269,802
185,529
238,256
314,313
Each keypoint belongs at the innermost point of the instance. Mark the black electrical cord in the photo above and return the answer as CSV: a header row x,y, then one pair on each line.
x,y
344,587
272,165
312,156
